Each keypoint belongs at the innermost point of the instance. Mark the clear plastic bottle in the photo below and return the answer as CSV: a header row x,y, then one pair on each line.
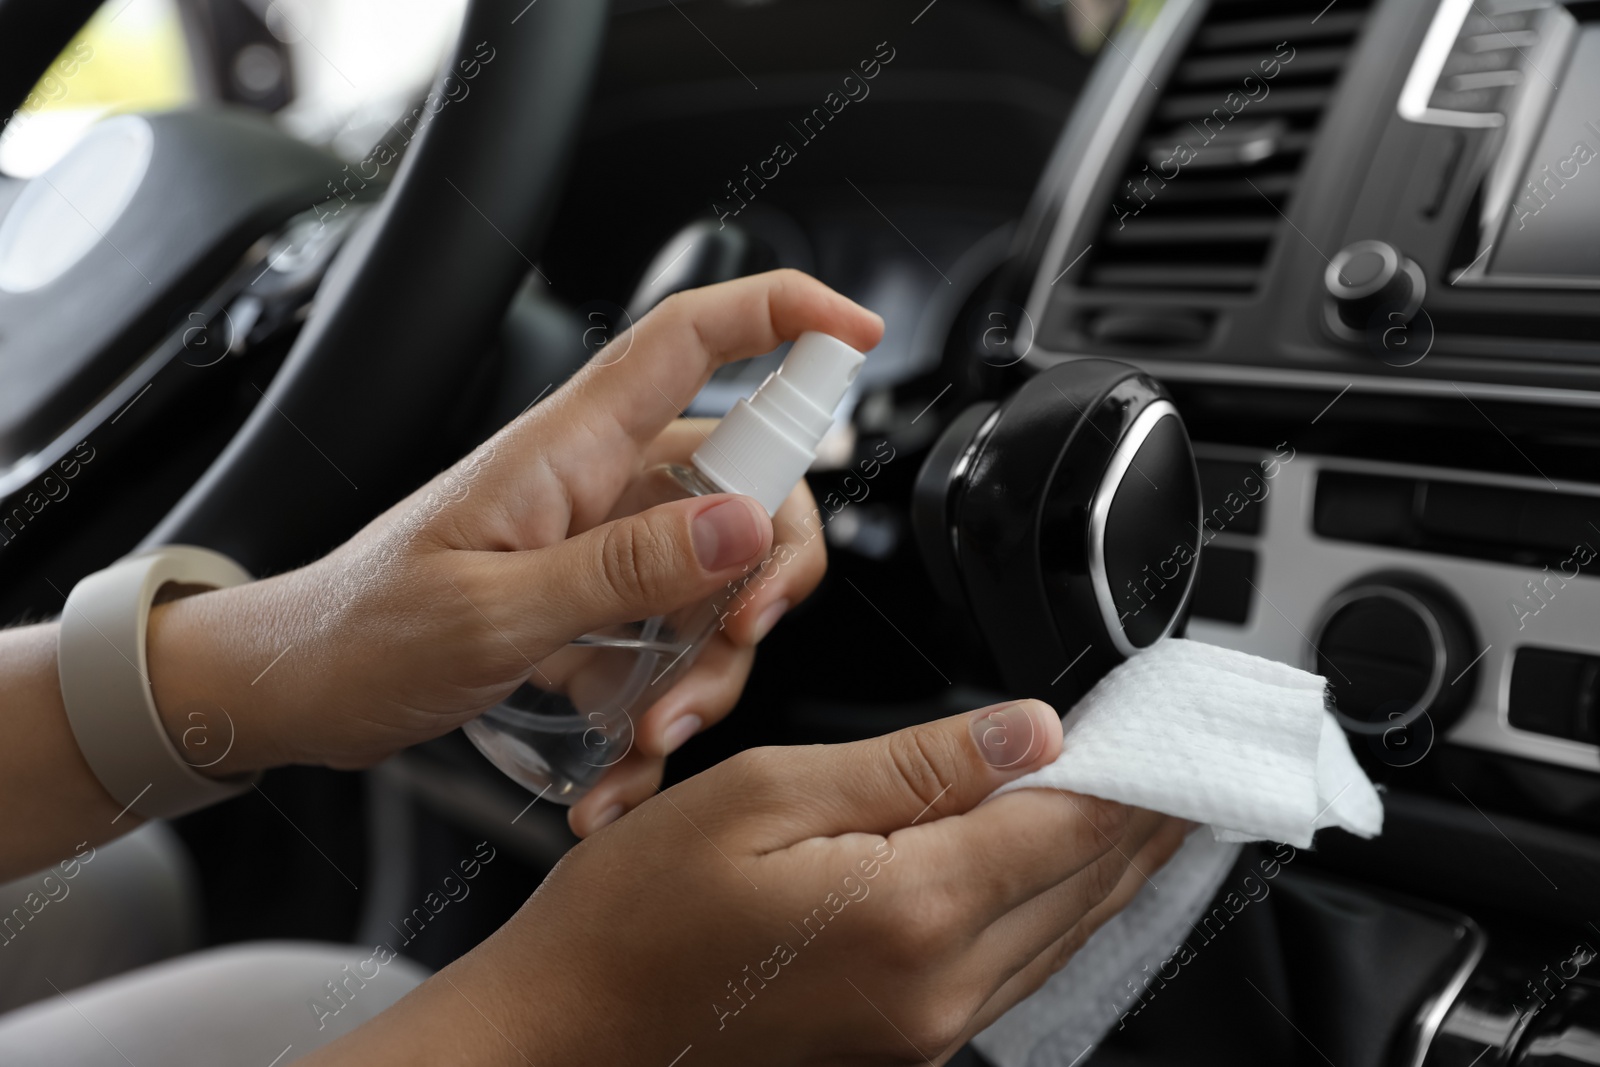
x,y
574,716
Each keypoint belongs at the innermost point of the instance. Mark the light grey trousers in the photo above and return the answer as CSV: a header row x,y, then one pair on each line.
x,y
254,1005
132,904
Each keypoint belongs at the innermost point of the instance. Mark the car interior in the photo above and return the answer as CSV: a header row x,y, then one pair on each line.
x,y
1349,250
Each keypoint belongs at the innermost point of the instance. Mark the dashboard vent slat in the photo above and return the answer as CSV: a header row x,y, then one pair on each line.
x,y
1270,190
1175,276
1235,66
1200,201
1266,32
1196,107
1196,231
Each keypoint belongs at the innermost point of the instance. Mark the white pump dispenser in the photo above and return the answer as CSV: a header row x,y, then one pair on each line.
x,y
764,445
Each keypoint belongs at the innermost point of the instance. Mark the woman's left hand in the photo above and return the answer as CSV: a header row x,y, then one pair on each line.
x,y
441,606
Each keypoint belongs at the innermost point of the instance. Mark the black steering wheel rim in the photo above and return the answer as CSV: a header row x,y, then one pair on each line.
x,y
416,295
353,418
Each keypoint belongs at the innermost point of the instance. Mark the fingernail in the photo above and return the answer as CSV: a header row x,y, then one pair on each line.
x,y
1009,735
725,534
681,729
769,618
606,818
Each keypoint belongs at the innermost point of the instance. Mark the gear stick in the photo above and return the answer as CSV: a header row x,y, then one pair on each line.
x,y
1067,519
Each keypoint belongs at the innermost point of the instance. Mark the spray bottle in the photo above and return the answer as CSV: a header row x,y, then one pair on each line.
x,y
573,717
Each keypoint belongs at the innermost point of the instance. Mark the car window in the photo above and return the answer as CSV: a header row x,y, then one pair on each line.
x,y
354,67
358,65
131,56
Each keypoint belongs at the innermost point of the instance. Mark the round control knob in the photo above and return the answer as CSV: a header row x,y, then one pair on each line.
x,y
1394,648
1064,518
1368,281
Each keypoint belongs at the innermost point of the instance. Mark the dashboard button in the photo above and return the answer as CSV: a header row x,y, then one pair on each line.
x,y
1371,285
1555,693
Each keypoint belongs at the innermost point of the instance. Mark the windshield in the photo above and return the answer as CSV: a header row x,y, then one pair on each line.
x,y
334,72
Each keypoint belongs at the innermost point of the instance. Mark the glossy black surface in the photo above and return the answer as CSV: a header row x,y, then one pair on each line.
x,y
1399,646
1151,545
1004,503
365,380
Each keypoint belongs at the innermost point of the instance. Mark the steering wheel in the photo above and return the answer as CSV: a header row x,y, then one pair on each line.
x,y
397,333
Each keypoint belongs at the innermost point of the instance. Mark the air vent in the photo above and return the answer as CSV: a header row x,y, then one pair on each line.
x,y
1473,63
1200,201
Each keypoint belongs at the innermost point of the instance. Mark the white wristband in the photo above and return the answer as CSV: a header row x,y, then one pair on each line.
x,y
105,681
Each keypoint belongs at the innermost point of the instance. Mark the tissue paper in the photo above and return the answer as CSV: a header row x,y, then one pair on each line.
x,y
1242,744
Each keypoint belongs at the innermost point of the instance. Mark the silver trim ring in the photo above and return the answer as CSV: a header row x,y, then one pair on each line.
x,y
1416,97
1431,1016
958,477
1430,622
1100,509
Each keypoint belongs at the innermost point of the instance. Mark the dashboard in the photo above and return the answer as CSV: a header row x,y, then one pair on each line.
x,y
1359,242
1375,220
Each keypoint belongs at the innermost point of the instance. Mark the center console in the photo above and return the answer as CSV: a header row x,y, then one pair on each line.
x,y
1359,242
1375,217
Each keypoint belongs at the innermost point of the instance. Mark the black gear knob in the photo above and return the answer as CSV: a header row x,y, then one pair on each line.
x,y
1068,520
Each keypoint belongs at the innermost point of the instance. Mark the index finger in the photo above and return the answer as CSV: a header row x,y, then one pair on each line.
x,y
593,430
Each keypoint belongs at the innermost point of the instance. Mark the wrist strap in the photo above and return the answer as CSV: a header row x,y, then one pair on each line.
x,y
105,681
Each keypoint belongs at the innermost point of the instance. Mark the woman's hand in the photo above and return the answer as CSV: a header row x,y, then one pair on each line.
x,y
443,604
823,904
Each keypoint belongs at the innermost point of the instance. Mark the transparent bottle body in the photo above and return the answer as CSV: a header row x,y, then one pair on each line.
x,y
574,717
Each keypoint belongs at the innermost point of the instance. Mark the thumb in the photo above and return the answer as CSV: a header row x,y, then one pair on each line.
x,y
922,773
657,561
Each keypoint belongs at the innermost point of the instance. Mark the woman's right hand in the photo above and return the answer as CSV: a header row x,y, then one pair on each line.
x,y
804,905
